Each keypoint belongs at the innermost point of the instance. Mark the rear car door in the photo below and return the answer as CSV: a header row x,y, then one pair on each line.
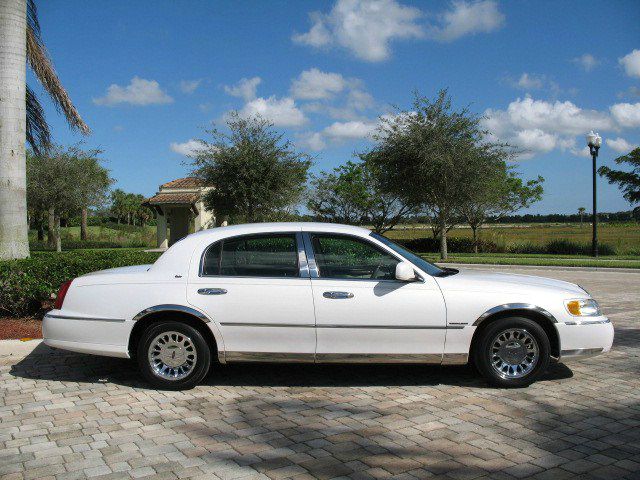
x,y
252,286
362,312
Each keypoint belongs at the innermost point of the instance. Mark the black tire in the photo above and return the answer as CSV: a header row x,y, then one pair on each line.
x,y
515,336
191,346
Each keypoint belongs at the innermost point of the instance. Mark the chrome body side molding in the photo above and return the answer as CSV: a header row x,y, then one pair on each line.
x,y
588,322
171,308
380,358
311,325
514,306
580,353
93,319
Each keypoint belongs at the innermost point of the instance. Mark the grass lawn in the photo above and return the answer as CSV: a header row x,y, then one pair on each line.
x,y
536,260
625,238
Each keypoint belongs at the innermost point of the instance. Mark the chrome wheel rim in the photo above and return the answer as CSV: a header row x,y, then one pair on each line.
x,y
514,353
172,355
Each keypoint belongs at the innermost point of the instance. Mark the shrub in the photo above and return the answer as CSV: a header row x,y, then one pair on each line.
x,y
567,247
25,284
454,245
526,247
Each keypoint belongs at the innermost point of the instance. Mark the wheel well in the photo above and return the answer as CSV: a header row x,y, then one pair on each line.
x,y
142,323
544,322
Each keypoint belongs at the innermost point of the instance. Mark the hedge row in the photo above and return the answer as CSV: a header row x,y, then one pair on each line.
x,y
465,245
26,284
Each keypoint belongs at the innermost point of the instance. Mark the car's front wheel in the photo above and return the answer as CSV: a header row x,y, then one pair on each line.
x,y
173,355
512,352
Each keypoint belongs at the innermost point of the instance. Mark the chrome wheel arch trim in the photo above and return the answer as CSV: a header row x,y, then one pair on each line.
x,y
213,326
508,307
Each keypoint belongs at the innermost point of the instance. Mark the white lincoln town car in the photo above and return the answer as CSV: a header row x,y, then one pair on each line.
x,y
315,292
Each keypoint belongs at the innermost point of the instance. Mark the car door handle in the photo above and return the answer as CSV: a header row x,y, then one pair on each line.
x,y
337,295
212,291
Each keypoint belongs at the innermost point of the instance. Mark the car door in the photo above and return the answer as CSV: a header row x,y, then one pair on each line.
x,y
362,312
252,286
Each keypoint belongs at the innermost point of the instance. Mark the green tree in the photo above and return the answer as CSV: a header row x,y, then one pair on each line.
x,y
52,185
92,182
581,211
256,174
628,181
23,117
351,194
497,191
428,155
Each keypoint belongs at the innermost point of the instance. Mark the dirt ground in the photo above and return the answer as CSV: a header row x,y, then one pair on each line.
x,y
16,328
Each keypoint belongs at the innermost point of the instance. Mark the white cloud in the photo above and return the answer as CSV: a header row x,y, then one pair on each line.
x,y
581,152
281,112
189,148
138,92
587,61
189,86
539,126
314,84
246,88
620,145
350,130
313,141
631,63
364,27
529,82
467,18
626,114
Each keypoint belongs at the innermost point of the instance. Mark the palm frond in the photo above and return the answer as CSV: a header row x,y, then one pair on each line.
x,y
43,69
38,133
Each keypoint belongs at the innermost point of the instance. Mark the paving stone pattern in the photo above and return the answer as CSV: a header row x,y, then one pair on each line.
x,y
70,416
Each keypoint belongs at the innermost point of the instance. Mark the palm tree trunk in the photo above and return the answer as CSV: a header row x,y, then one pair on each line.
x,y
40,227
14,240
475,238
83,225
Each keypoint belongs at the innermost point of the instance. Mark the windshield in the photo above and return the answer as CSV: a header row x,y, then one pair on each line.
x,y
421,263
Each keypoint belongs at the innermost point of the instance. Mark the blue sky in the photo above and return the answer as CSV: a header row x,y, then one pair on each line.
x,y
149,77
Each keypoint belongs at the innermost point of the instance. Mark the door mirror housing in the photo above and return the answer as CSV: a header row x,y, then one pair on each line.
x,y
405,272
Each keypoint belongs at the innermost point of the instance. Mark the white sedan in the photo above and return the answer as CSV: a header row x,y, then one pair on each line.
x,y
314,292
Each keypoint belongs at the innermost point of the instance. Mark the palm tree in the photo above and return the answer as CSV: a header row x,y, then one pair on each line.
x,y
22,117
581,211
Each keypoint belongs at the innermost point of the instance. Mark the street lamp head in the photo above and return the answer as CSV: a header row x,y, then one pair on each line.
x,y
592,138
598,140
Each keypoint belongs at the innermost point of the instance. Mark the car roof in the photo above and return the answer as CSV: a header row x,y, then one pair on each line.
x,y
174,258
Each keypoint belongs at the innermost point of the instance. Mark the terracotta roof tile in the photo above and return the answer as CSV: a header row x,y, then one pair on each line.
x,y
187,182
163,198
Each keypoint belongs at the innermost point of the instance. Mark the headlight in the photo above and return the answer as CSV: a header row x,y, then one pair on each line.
x,y
583,307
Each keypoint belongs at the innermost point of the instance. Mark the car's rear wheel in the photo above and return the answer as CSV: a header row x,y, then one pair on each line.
x,y
173,355
512,352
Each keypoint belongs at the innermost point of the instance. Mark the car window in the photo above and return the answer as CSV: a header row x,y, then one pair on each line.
x,y
339,256
253,256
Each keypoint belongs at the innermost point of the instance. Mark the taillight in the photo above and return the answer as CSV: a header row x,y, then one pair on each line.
x,y
64,288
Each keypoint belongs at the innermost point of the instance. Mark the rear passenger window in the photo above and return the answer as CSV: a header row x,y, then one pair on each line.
x,y
253,256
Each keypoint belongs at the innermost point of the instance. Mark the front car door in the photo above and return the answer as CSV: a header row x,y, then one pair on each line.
x,y
363,313
253,286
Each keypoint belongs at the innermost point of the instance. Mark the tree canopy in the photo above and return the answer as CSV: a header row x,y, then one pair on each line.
x,y
628,181
351,194
255,173
433,156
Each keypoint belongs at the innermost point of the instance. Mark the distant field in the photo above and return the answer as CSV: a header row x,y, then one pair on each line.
x,y
624,237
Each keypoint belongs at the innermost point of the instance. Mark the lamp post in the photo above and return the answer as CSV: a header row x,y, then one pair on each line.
x,y
594,141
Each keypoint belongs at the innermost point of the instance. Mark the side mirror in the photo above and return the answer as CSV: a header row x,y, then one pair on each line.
x,y
404,272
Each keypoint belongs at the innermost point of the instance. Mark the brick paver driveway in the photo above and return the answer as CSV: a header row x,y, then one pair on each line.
x,y
71,416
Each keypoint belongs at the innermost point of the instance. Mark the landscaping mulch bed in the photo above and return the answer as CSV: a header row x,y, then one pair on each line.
x,y
16,328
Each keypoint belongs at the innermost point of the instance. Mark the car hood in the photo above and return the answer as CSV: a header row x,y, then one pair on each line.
x,y
467,279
